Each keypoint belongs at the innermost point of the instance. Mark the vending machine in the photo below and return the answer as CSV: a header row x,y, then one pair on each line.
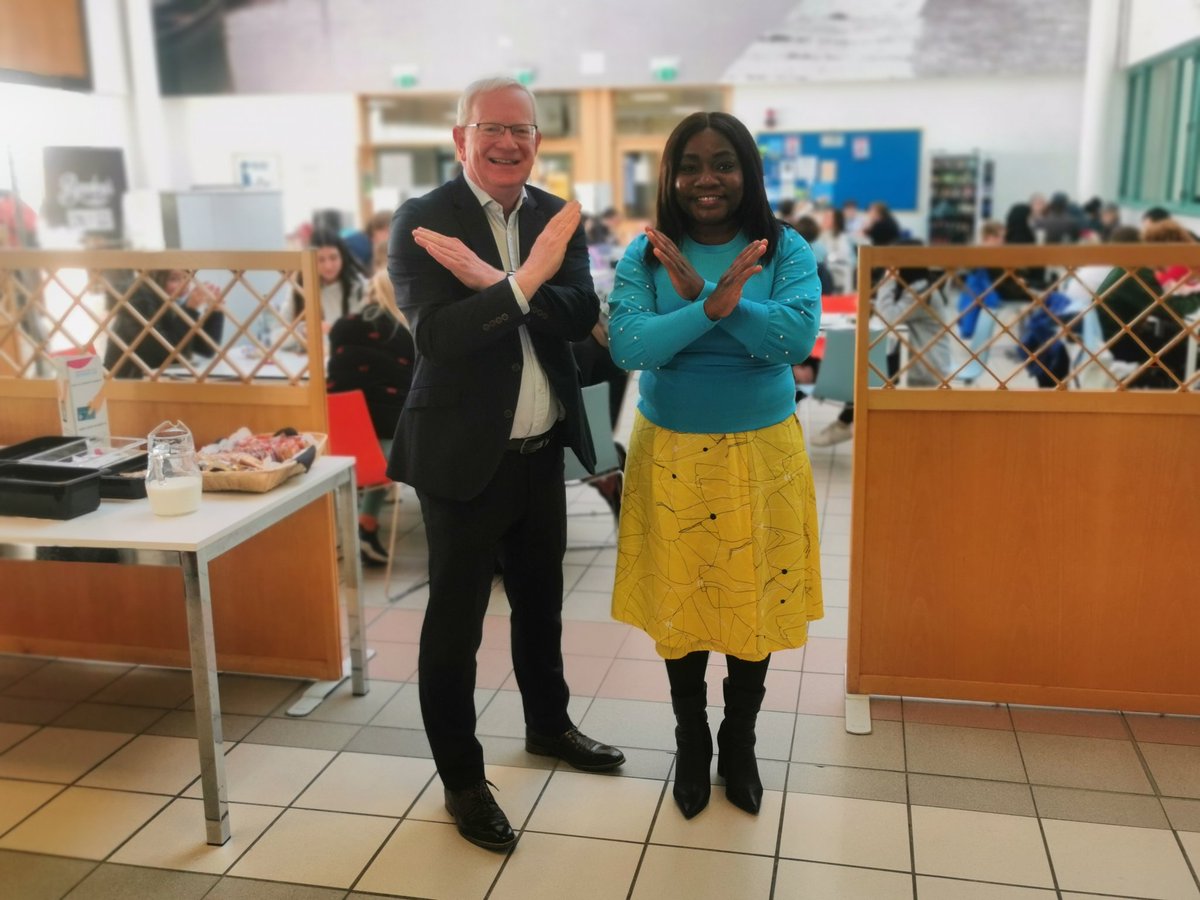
x,y
960,196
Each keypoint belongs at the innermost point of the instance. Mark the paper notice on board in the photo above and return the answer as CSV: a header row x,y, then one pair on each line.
x,y
787,178
806,169
828,171
860,148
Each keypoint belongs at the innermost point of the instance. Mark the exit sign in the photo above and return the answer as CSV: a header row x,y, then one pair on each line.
x,y
665,68
405,76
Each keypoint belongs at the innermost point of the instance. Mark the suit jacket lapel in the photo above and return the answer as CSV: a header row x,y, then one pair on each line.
x,y
530,222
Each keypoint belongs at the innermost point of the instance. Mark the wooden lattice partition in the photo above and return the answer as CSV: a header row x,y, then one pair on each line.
x,y
1018,543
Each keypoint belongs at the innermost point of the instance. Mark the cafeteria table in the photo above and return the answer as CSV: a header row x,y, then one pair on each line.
x,y
190,543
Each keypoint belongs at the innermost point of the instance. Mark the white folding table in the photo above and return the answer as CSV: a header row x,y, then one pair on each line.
x,y
191,543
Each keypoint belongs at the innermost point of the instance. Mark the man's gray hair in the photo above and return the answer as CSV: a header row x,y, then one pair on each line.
x,y
487,86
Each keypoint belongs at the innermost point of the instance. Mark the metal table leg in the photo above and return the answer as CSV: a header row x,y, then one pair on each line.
x,y
208,701
347,514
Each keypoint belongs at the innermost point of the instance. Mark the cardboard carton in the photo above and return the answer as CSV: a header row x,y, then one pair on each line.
x,y
81,407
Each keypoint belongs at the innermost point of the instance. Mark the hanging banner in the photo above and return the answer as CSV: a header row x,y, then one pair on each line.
x,y
84,187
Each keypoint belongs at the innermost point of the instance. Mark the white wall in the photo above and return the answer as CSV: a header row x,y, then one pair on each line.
x,y
312,136
1029,126
36,117
1156,26
53,118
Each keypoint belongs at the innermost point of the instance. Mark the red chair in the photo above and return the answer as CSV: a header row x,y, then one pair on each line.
x,y
351,433
839,303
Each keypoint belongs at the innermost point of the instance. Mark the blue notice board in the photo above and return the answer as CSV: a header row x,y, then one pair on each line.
x,y
835,166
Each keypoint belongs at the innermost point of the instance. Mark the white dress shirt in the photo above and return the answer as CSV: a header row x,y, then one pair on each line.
x,y
537,407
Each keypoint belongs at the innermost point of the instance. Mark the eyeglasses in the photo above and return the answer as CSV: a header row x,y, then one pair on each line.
x,y
495,130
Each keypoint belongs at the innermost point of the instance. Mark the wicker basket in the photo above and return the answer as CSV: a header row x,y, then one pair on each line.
x,y
262,480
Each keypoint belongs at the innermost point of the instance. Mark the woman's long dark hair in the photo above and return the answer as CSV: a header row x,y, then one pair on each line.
x,y
754,215
351,272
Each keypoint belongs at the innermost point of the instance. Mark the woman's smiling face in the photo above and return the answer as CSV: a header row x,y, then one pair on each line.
x,y
709,187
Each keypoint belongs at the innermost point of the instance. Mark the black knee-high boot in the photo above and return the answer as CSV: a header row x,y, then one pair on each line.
x,y
744,692
693,740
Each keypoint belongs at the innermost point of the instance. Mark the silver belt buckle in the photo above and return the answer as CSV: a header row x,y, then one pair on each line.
x,y
532,445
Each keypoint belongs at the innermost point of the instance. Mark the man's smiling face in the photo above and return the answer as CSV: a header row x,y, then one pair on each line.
x,y
500,165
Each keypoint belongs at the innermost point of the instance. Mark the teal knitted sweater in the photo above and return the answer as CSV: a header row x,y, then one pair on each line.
x,y
706,377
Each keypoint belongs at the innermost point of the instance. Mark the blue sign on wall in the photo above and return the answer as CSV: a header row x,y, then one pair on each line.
x,y
836,166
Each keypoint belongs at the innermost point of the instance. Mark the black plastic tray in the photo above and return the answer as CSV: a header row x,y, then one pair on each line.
x,y
48,492
116,486
35,445
113,484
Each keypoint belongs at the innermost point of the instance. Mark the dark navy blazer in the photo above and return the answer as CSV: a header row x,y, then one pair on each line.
x,y
457,419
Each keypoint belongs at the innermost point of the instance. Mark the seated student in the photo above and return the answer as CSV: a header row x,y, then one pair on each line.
x,y
602,229
605,247
341,288
853,218
362,243
842,255
1155,214
1178,279
372,350
1061,222
1133,301
1110,219
881,227
811,232
977,284
1083,283
180,315
1018,229
915,300
1042,340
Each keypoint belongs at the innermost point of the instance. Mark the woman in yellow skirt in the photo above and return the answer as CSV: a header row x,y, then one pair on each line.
x,y
718,535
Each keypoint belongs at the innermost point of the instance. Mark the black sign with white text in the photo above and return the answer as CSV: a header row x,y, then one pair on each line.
x,y
84,187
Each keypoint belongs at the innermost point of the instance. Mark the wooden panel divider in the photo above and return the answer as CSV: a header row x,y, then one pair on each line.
x,y
1025,546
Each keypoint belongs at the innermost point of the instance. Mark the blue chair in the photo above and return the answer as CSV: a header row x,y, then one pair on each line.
x,y
835,378
982,333
595,408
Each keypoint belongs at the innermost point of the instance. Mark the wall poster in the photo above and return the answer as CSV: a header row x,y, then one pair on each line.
x,y
84,187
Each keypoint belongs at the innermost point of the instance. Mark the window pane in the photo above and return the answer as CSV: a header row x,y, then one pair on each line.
x,y
1134,138
1157,132
558,115
1183,129
658,110
398,117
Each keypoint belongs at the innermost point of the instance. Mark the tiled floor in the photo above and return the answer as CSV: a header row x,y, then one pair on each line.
x,y
98,776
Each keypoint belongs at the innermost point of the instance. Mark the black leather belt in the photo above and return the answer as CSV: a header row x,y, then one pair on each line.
x,y
529,444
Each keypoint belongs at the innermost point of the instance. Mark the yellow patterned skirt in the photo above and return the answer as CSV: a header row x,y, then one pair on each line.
x,y
718,541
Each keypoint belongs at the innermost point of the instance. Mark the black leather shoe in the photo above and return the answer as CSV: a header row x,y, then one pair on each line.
x,y
575,749
479,818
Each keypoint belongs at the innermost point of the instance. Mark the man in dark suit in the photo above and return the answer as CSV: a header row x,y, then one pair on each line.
x,y
494,277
